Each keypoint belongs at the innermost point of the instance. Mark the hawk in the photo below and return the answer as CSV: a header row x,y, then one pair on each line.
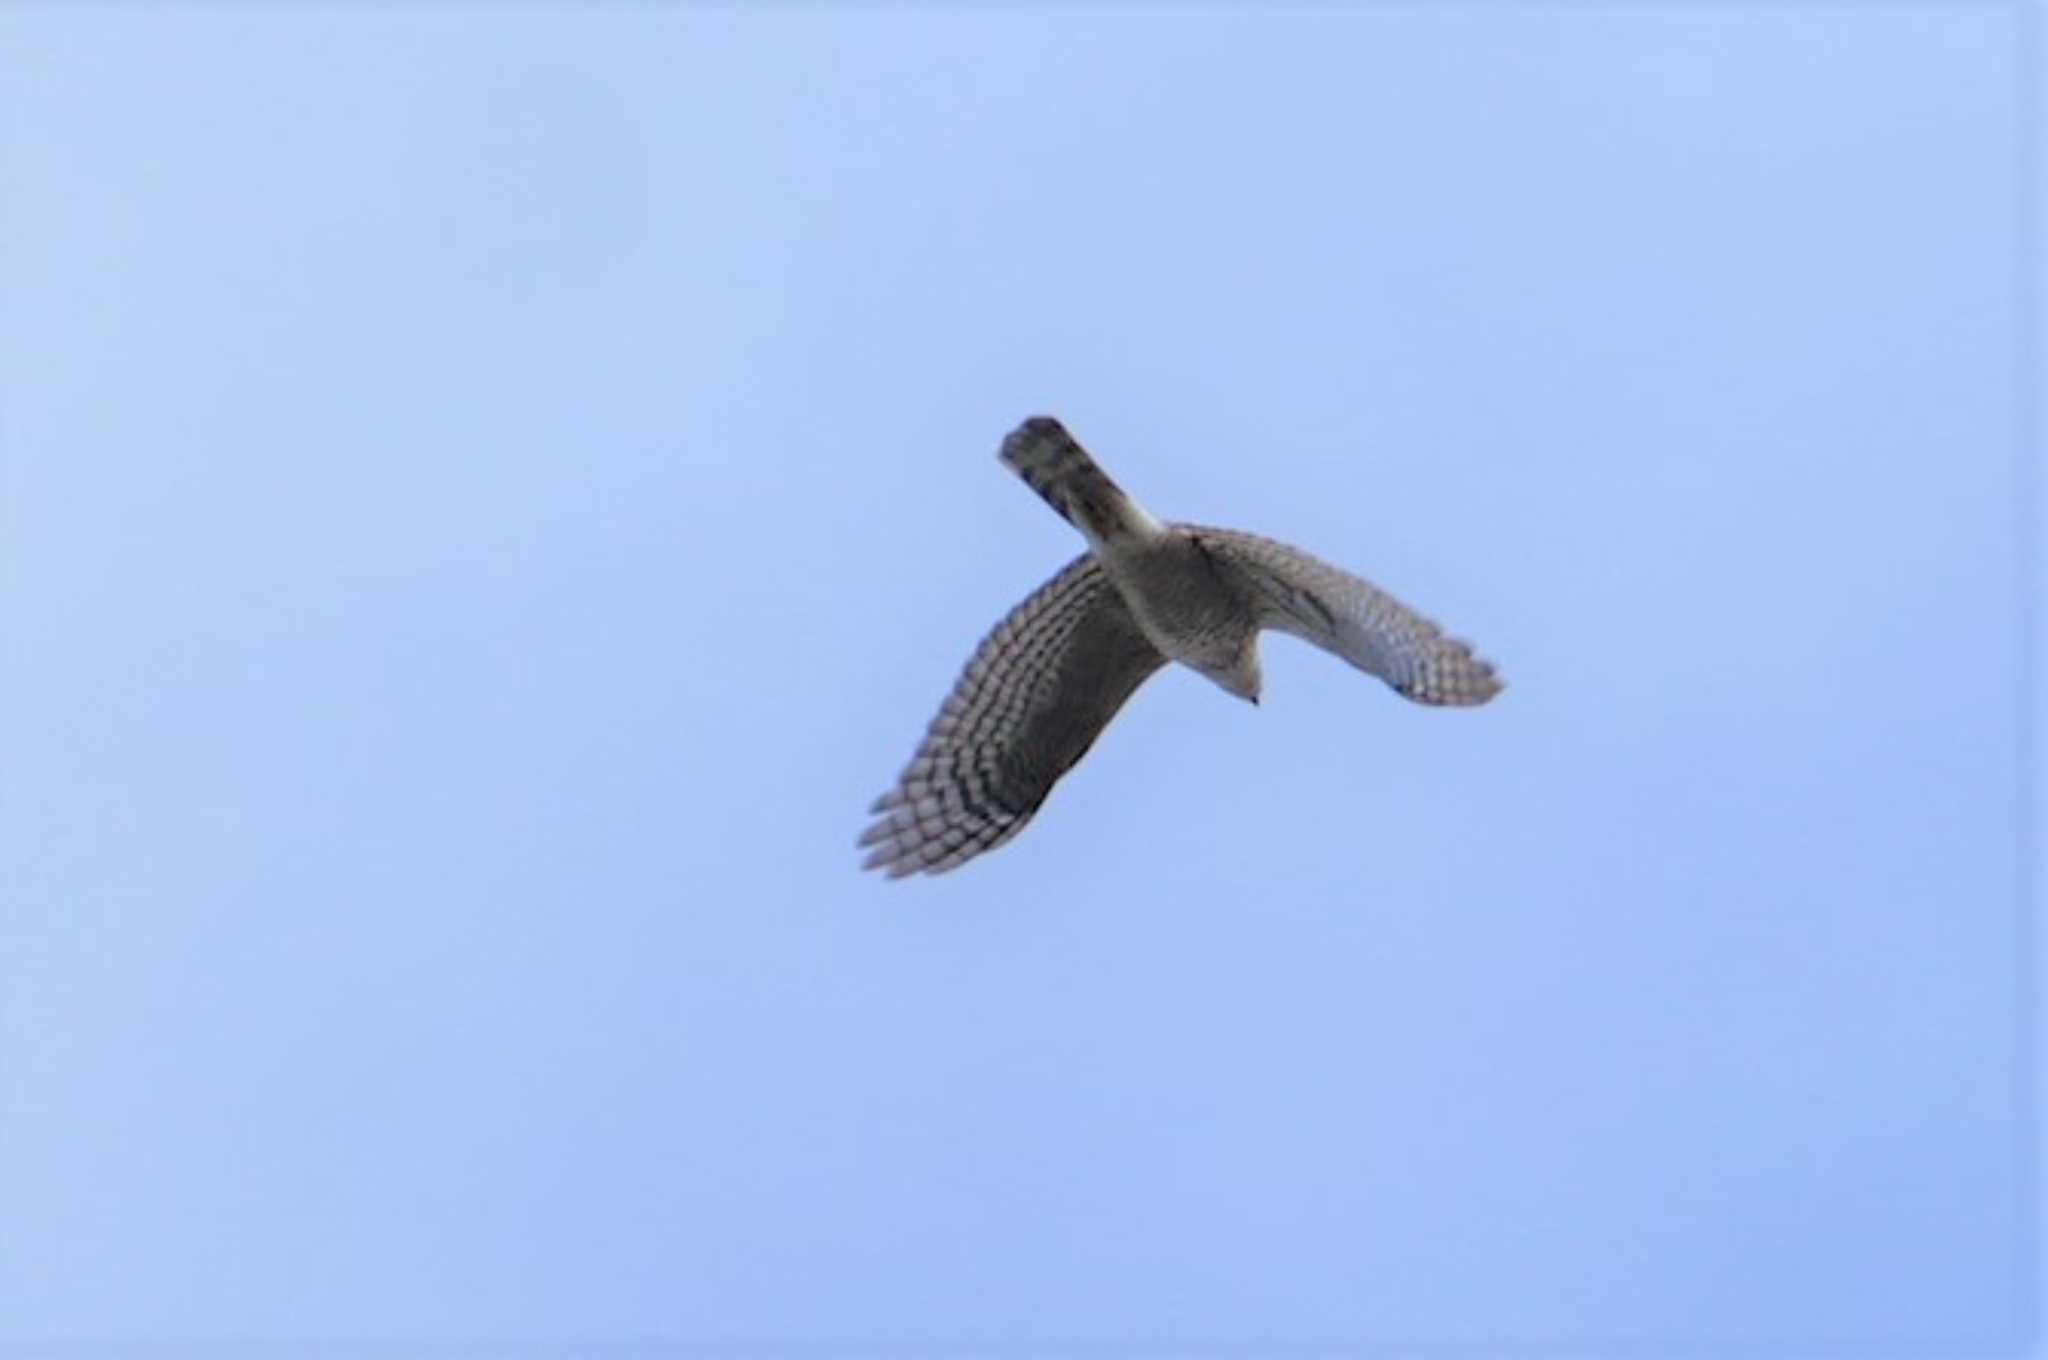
x,y
1047,680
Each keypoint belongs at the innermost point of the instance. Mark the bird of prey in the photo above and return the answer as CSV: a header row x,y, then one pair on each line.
x,y
1047,680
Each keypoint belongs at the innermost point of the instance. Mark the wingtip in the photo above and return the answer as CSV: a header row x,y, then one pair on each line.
x,y
890,866
893,858
1469,683
1488,681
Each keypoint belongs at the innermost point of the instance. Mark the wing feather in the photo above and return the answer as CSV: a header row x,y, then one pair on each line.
x,y
1301,594
1031,701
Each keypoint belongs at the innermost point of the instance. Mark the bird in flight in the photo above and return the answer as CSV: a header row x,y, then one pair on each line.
x,y
1043,685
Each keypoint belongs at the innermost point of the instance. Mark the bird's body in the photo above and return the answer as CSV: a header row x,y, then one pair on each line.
x,y
1052,674
1188,609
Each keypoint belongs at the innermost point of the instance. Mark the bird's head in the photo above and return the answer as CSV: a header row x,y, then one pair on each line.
x,y
1237,673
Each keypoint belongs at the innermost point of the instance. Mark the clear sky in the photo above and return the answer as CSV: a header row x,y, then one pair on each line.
x,y
491,494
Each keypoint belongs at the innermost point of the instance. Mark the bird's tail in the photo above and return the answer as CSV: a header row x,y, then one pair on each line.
x,y
1059,469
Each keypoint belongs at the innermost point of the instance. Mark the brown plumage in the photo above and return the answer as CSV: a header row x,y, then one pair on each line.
x,y
1047,680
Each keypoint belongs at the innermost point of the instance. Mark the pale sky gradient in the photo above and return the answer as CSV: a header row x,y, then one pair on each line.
x,y
491,493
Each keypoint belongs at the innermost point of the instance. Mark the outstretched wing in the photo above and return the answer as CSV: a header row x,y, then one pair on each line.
x,y
1032,700
1306,596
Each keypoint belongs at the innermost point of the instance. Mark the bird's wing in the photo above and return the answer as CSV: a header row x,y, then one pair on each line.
x,y
1306,596
1031,701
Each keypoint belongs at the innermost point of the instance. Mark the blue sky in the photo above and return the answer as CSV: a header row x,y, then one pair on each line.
x,y
490,495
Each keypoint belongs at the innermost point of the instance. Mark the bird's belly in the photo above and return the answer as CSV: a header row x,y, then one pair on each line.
x,y
1184,609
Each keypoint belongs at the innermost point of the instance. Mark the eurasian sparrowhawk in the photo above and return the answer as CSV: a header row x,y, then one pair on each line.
x,y
1042,686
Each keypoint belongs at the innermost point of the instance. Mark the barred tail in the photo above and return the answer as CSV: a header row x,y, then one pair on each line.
x,y
1059,469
